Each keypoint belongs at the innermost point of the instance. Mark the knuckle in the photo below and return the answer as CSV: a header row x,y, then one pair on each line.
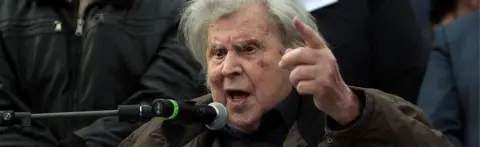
x,y
301,88
322,84
293,73
328,55
299,52
315,72
299,48
318,82
332,59
293,78
307,87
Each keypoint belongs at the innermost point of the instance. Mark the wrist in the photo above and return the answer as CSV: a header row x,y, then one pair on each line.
x,y
348,109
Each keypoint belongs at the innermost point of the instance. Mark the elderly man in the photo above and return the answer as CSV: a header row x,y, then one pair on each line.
x,y
254,52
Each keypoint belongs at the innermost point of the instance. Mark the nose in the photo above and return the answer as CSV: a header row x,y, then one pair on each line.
x,y
231,66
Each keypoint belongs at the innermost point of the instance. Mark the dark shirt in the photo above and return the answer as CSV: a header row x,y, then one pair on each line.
x,y
274,127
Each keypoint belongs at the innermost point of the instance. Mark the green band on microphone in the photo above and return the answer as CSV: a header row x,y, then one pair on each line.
x,y
175,109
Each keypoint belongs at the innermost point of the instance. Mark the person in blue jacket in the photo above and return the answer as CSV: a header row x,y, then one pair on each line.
x,y
450,90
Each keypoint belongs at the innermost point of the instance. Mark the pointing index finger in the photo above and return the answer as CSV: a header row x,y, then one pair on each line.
x,y
311,38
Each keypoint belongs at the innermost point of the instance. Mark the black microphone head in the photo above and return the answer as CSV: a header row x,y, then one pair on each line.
x,y
221,119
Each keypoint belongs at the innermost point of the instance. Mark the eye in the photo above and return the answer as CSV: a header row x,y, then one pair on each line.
x,y
250,49
218,53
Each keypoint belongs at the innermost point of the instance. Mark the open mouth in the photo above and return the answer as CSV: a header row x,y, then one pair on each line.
x,y
237,96
237,93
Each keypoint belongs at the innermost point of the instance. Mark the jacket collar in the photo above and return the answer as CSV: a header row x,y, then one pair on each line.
x,y
311,121
288,108
205,138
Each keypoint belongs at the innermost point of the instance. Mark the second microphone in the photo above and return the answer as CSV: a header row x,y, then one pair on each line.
x,y
214,115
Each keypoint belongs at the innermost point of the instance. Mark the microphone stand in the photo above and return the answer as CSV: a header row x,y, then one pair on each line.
x,y
125,113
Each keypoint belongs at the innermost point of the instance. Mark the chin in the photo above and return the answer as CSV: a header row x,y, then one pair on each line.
x,y
246,121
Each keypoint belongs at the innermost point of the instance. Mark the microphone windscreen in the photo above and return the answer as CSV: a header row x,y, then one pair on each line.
x,y
221,119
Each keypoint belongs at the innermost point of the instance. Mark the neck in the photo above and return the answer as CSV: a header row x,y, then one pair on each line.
x,y
248,129
461,10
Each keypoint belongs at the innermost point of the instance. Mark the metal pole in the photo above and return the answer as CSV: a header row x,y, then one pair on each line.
x,y
102,113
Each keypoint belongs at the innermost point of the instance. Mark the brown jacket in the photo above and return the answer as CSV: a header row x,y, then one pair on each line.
x,y
386,121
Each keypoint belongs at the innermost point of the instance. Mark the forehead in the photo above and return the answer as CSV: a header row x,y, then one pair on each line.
x,y
250,22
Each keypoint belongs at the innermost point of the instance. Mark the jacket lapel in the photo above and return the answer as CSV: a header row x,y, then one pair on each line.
x,y
294,138
310,121
199,141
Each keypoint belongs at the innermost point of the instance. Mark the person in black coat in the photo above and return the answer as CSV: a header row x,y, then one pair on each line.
x,y
80,55
378,44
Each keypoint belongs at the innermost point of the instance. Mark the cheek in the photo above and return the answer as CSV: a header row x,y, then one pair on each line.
x,y
269,81
216,87
265,71
218,96
262,65
214,74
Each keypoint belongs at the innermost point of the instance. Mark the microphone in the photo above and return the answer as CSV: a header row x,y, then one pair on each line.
x,y
214,115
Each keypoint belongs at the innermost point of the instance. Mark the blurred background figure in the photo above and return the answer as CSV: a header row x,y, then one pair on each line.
x,y
80,55
450,91
378,43
421,9
445,11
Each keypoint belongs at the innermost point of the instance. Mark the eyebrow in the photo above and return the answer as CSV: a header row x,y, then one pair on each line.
x,y
242,42
255,42
212,46
251,41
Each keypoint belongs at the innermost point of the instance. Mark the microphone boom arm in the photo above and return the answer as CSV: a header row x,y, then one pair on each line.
x,y
101,113
125,113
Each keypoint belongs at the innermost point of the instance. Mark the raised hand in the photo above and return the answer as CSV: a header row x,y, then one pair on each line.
x,y
314,70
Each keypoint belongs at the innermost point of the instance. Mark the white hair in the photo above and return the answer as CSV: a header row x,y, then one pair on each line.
x,y
199,14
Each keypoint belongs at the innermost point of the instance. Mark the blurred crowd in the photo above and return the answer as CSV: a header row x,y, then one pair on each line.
x,y
81,55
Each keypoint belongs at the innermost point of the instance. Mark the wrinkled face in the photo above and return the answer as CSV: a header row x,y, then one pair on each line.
x,y
242,57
